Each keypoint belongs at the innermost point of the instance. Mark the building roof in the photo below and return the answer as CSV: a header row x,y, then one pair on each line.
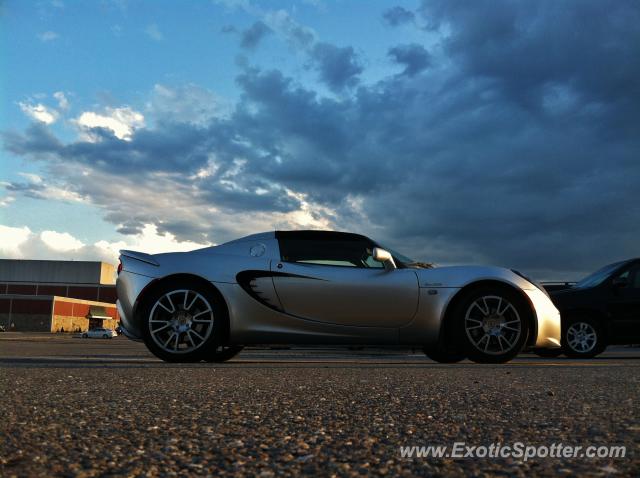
x,y
67,272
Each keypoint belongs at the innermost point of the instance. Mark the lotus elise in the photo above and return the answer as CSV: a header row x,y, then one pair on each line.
x,y
326,288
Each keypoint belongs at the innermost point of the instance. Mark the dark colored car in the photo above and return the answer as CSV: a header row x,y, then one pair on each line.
x,y
600,310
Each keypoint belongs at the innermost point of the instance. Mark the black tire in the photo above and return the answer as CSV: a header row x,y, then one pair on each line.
x,y
222,353
185,323
483,333
570,340
105,336
549,353
440,354
85,336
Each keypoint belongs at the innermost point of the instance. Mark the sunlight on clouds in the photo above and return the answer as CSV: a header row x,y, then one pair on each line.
x,y
60,241
33,178
151,242
12,239
36,187
305,217
22,243
6,200
122,122
39,112
61,194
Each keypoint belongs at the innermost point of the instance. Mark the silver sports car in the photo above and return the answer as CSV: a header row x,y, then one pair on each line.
x,y
326,287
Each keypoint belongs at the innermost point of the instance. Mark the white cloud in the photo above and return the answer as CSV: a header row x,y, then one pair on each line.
x,y
6,200
150,241
308,215
48,36
63,102
36,187
23,243
39,112
12,239
60,194
121,121
60,241
153,31
33,178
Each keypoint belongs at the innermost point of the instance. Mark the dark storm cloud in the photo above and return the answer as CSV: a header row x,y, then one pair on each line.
x,y
518,146
253,35
414,57
398,16
588,46
338,67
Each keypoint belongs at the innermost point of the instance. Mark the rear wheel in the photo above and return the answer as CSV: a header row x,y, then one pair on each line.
x,y
222,353
583,338
492,324
181,322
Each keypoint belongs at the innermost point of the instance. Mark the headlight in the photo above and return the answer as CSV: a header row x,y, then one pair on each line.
x,y
536,283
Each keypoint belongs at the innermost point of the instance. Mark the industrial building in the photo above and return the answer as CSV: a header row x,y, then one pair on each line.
x,y
57,296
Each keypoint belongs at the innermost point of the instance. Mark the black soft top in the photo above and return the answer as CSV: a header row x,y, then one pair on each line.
x,y
314,235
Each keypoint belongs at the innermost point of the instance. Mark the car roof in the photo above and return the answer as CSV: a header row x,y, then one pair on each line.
x,y
318,235
303,234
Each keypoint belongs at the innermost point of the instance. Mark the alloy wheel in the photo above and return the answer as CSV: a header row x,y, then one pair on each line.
x,y
582,337
493,325
181,321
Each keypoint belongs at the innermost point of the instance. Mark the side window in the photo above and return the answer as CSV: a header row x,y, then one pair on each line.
x,y
632,275
371,262
329,253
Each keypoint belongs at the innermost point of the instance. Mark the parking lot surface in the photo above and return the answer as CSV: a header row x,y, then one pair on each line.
x,y
80,407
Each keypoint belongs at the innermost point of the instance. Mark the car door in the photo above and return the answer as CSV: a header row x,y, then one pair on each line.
x,y
338,282
624,305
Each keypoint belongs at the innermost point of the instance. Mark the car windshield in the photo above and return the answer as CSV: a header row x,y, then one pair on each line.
x,y
599,276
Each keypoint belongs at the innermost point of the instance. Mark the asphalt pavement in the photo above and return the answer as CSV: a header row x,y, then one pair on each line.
x,y
82,407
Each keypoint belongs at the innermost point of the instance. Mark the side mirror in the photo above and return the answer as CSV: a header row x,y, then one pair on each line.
x,y
385,257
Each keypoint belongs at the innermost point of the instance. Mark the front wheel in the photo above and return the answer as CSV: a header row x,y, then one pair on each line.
x,y
583,338
181,322
492,324
85,336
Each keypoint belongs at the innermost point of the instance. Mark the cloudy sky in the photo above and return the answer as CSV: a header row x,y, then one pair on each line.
x,y
503,132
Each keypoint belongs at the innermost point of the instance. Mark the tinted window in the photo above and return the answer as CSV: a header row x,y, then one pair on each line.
x,y
632,275
344,253
599,276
